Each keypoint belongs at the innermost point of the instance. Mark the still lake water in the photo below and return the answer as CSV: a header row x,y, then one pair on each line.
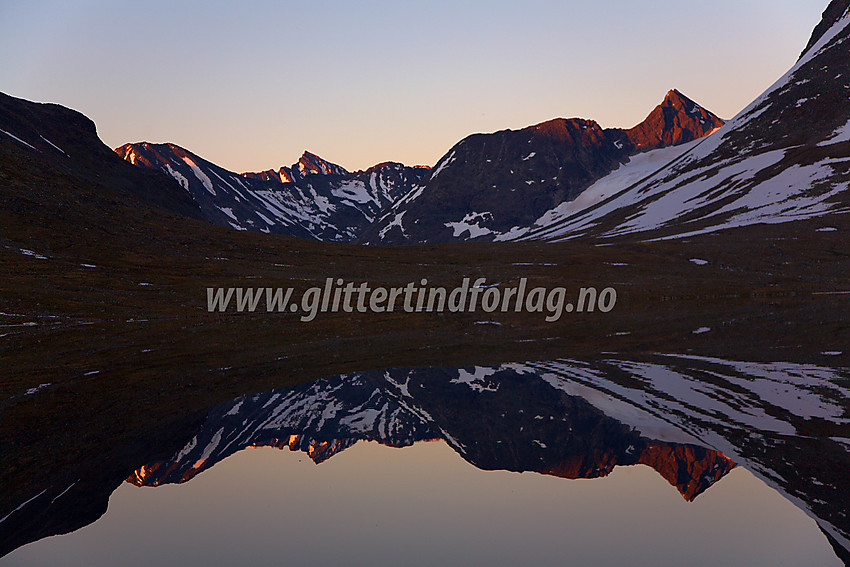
x,y
424,505
654,460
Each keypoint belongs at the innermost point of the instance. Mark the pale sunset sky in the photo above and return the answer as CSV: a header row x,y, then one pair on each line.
x,y
250,85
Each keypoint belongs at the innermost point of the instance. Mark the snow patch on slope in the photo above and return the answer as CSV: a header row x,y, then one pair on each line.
x,y
443,165
181,179
472,223
18,139
202,177
397,221
842,134
477,379
639,167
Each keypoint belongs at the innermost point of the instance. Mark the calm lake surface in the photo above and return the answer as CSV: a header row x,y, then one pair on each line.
x,y
423,505
653,460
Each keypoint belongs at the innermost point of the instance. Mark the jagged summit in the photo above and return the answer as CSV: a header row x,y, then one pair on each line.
x,y
308,164
311,164
147,154
677,120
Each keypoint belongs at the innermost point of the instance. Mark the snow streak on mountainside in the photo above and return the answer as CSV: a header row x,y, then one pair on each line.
x,y
490,183
312,199
639,167
783,158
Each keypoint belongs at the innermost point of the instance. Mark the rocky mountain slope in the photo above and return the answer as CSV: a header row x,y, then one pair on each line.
x,y
311,199
488,184
785,157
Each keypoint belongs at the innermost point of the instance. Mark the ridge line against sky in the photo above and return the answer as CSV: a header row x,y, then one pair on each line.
x,y
361,83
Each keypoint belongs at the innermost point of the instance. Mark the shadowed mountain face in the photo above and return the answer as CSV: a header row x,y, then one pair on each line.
x,y
489,183
67,142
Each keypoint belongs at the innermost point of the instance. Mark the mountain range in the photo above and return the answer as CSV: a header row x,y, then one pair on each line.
x,y
311,199
681,171
515,176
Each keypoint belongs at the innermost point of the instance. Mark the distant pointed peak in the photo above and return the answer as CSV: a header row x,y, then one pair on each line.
x,y
312,164
675,96
677,120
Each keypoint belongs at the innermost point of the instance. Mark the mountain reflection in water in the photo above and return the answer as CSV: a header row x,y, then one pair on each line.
x,y
504,418
692,419
689,418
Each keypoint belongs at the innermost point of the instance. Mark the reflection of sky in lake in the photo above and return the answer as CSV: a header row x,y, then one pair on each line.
x,y
424,505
